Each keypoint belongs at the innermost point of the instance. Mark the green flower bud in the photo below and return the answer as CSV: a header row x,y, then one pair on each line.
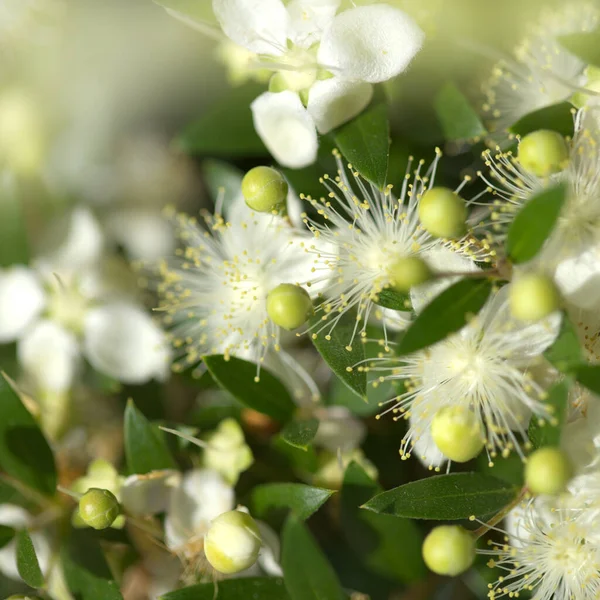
x,y
265,189
543,152
98,508
232,543
289,306
449,550
406,272
443,213
457,432
547,471
532,297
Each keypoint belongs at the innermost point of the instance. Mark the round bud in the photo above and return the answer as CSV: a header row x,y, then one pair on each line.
x,y
449,550
233,542
264,189
543,152
532,297
547,471
98,508
289,306
406,272
458,433
443,213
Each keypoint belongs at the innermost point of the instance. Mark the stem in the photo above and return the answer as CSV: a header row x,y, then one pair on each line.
x,y
497,518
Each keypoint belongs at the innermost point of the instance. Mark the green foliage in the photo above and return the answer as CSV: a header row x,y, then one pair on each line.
x,y
457,117
268,395
534,223
547,433
27,561
300,433
6,535
24,451
14,247
585,45
233,589
589,377
566,353
392,299
558,117
303,500
445,497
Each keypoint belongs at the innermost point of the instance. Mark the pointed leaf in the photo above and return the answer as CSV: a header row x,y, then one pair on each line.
x,y
300,433
303,500
457,117
558,117
547,431
259,588
566,353
27,561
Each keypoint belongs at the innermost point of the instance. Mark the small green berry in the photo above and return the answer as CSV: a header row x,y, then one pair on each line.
x,y
99,508
543,152
449,550
547,471
407,272
265,189
458,433
289,306
233,542
532,297
443,213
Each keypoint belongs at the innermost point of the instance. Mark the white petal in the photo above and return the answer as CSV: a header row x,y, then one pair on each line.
x,y
370,43
148,494
286,128
259,25
332,102
579,279
49,354
395,320
425,449
121,340
309,18
339,429
22,299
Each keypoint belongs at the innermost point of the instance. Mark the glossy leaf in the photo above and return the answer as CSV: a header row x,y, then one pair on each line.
x,y
445,314
395,300
300,433
261,588
365,143
584,45
303,500
268,395
306,571
589,377
145,446
547,431
24,451
566,353
534,223
457,117
445,497
557,117
388,545
27,561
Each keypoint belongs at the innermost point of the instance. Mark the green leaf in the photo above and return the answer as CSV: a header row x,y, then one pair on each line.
x,y
222,178
457,117
260,588
589,377
534,223
388,545
27,561
558,117
445,314
340,360
392,299
585,46
365,143
306,572
268,395
547,432
507,468
300,433
445,497
566,353
14,247
24,451
6,535
145,446
303,500
340,395
226,129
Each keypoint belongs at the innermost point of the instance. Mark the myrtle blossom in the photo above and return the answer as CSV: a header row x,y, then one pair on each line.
x,y
487,367
365,231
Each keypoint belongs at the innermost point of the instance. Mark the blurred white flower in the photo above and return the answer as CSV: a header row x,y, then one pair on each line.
x,y
339,429
332,467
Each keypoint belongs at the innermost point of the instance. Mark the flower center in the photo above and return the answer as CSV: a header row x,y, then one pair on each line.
x,y
68,306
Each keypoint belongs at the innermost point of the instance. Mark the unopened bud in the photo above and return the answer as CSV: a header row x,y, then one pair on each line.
x,y
449,550
407,272
99,508
232,543
458,433
532,297
547,471
265,189
289,306
443,213
543,152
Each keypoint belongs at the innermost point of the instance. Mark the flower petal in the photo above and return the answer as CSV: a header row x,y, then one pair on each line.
x,y
286,128
579,279
122,341
309,18
22,299
259,25
148,494
332,102
370,43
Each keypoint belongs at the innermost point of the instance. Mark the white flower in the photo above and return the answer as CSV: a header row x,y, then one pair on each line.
x,y
339,429
365,232
486,367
